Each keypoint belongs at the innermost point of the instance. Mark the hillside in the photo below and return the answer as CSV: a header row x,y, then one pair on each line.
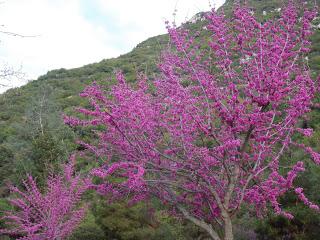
x,y
34,138
60,89
20,107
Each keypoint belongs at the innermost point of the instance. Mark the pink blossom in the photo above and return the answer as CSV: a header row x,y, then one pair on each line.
x,y
52,214
210,132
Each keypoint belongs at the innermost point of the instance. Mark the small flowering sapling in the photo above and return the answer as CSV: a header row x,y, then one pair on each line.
x,y
210,133
53,214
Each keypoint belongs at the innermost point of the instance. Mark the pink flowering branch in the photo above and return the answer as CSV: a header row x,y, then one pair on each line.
x,y
53,214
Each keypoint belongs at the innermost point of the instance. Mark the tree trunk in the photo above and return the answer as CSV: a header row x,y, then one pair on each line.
x,y
207,227
228,231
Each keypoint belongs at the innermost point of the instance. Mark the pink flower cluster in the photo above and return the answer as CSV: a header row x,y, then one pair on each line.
x,y
53,214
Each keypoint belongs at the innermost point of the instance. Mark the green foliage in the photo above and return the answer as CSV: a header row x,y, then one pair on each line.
x,y
4,206
119,221
304,226
34,135
45,154
88,230
5,162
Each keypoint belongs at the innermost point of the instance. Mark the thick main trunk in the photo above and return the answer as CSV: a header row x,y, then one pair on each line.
x,y
207,227
228,231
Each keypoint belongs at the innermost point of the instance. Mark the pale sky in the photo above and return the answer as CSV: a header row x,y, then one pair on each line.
x,y
72,33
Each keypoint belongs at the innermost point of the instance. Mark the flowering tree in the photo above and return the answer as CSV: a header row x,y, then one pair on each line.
x,y
50,215
209,134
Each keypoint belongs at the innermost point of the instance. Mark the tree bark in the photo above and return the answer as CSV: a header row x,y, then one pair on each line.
x,y
207,227
228,231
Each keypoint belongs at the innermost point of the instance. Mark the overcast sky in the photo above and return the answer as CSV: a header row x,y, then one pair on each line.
x,y
72,33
